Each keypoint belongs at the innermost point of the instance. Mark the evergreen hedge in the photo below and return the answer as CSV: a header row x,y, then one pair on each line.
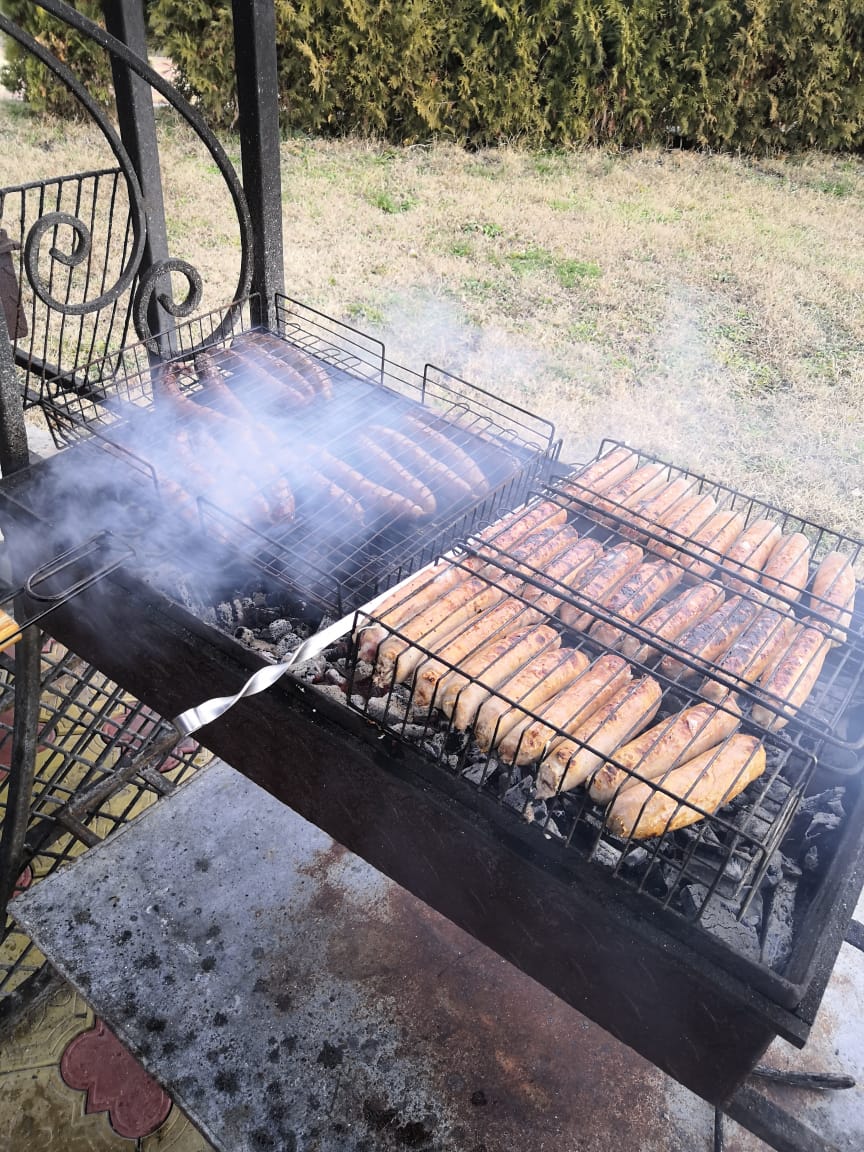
x,y
750,74
26,75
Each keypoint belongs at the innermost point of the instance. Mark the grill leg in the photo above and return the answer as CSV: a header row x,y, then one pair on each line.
x,y
22,764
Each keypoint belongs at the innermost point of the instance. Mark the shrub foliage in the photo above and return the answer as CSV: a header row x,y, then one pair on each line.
x,y
750,74
26,75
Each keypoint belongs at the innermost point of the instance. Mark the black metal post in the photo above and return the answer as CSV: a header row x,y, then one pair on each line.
x,y
22,767
258,108
134,98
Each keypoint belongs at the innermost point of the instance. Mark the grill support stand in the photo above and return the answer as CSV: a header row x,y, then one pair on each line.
x,y
258,108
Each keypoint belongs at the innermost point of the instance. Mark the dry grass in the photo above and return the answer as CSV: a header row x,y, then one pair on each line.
x,y
708,308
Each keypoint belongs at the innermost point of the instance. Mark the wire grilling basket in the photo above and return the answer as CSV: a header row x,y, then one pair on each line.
x,y
346,536
703,856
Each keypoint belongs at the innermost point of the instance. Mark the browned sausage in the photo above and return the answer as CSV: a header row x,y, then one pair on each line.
x,y
709,780
682,522
673,741
635,598
749,553
708,640
599,581
711,541
434,473
372,496
531,555
638,486
673,619
793,678
648,513
833,594
528,690
530,739
392,474
562,571
788,567
456,611
508,616
569,764
611,468
456,458
517,525
428,586
760,644
306,367
461,693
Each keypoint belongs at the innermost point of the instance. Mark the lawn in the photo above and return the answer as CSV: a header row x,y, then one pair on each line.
x,y
706,307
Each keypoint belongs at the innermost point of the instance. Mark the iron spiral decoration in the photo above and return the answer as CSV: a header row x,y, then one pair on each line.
x,y
51,226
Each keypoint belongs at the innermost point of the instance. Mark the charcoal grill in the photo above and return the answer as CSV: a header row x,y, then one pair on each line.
x,y
629,939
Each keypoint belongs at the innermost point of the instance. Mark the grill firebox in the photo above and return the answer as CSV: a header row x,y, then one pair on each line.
x,y
581,911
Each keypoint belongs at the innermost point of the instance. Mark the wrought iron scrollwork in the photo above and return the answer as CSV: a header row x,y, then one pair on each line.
x,y
149,284
82,239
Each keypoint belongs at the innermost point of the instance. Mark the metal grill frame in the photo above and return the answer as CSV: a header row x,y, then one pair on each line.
x,y
798,747
95,412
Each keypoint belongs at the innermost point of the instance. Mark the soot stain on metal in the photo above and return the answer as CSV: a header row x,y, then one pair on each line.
x,y
445,997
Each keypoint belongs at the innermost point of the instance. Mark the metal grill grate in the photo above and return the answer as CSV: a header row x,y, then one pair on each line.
x,y
88,729
326,554
398,673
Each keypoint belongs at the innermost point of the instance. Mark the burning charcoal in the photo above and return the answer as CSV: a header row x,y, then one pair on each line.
x,y
225,613
719,917
333,691
245,636
517,796
822,822
778,925
278,628
605,854
333,676
773,873
777,793
386,710
823,801
286,646
313,669
791,870
811,859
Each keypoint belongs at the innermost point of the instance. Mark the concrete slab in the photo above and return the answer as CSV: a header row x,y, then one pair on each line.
x,y
289,996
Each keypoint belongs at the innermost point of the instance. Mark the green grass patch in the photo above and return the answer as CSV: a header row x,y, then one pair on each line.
x,y
390,204
461,248
485,229
568,273
363,310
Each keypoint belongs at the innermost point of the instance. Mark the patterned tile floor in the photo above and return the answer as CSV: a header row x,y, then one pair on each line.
x,y
66,1084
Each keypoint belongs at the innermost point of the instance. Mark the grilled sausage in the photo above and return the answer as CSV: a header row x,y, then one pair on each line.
x,y
760,644
569,764
636,597
673,741
448,452
530,739
648,513
788,567
833,594
372,496
438,626
563,571
680,522
708,640
461,693
792,678
434,473
612,467
251,375
531,555
410,600
505,617
599,581
392,474
214,383
709,780
673,619
517,525
528,690
749,553
306,367
711,541
638,486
